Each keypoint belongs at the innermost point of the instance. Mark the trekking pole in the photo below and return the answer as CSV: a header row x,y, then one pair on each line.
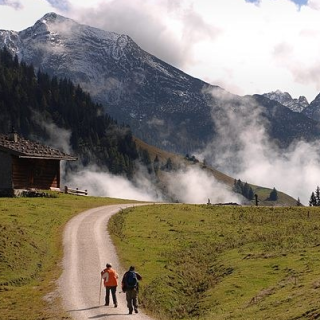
x,y
100,290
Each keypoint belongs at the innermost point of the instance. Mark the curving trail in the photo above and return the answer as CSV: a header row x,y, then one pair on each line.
x,y
87,249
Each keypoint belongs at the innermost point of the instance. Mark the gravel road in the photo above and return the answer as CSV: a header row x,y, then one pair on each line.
x,y
87,249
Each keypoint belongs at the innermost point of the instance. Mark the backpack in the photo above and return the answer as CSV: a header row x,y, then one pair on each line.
x,y
131,280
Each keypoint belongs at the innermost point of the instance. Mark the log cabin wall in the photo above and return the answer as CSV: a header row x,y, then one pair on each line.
x,y
35,173
5,171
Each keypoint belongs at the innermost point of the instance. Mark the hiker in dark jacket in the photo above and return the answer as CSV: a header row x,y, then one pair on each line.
x,y
130,285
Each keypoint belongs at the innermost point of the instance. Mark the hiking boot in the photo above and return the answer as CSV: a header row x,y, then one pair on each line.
x,y
106,304
130,311
136,310
115,305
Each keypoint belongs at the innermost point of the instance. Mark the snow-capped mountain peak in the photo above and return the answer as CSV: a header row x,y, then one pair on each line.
x,y
296,105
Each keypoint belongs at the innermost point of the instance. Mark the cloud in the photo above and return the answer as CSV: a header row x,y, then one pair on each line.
x,y
101,183
58,138
61,5
314,4
148,23
295,171
189,185
19,14
240,131
193,185
243,150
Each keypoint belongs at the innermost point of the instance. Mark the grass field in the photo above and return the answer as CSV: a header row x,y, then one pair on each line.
x,y
31,252
198,262
211,262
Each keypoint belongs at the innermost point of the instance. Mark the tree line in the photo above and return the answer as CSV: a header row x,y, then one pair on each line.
x,y
246,190
243,189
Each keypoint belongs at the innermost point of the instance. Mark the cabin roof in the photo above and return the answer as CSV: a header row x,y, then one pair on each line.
x,y
24,148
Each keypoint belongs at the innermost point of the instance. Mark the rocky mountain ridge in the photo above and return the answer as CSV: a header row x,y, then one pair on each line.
x,y
296,105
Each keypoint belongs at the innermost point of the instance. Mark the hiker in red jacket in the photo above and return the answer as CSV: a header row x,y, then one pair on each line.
x,y
130,285
110,280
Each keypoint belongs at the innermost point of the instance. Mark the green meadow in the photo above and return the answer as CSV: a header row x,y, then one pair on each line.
x,y
223,262
197,261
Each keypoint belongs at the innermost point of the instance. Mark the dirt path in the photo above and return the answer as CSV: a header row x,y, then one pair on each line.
x,y
87,249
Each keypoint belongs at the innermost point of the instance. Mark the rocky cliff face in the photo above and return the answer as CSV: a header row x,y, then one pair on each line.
x,y
313,110
163,106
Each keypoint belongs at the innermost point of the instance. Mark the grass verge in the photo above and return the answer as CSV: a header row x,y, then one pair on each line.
x,y
210,262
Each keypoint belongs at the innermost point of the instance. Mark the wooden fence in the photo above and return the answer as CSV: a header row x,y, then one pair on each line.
x,y
69,190
75,191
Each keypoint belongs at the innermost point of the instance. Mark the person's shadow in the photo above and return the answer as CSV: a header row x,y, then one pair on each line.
x,y
107,314
98,315
84,309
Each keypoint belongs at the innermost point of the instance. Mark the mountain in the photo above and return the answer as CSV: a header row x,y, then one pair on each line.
x,y
136,88
286,125
296,105
163,106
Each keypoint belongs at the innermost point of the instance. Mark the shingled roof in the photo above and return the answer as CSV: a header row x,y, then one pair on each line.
x,y
28,149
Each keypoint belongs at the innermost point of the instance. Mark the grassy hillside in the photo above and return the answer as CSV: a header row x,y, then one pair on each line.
x,y
178,160
31,251
221,262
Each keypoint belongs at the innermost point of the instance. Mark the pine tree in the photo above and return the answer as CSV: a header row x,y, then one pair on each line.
x,y
237,186
245,191
156,164
273,195
313,200
243,188
299,204
317,196
169,165
251,194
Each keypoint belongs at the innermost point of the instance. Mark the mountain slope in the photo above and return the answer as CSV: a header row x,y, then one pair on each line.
x,y
313,110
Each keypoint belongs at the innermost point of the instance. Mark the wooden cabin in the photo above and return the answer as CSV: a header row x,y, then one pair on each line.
x,y
26,165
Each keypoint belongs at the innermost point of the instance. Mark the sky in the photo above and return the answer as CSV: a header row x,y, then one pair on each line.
x,y
244,46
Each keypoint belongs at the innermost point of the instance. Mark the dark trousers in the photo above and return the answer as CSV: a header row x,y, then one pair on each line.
x,y
113,293
132,299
